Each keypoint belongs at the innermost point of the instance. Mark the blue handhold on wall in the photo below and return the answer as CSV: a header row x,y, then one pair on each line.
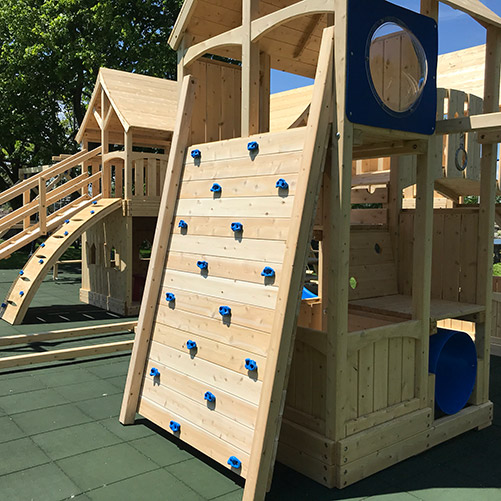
x,y
170,297
282,184
237,227
250,365
196,153
203,265
182,224
154,372
225,311
234,462
174,426
268,272
252,146
210,397
216,188
191,345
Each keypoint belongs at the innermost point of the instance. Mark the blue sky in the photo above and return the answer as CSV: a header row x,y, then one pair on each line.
x,y
456,31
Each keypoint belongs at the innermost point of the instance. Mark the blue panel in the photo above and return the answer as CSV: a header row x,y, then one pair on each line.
x,y
362,104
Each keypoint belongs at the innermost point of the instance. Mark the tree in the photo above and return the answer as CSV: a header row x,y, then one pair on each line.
x,y
50,55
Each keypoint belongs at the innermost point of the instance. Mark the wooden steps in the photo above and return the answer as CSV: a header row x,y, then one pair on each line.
x,y
75,221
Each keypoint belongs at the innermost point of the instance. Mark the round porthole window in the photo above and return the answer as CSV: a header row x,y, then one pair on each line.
x,y
397,66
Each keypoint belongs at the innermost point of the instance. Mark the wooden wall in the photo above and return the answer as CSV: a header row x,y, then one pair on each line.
x,y
217,107
454,263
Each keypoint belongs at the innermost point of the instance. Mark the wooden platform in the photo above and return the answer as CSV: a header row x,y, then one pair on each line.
x,y
400,305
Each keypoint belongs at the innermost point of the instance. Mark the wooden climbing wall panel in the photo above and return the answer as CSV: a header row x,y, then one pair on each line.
x,y
233,278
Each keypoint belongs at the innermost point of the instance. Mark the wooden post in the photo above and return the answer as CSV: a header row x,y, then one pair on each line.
x,y
422,255
26,201
338,240
264,93
250,71
42,207
486,217
128,165
105,146
158,252
430,8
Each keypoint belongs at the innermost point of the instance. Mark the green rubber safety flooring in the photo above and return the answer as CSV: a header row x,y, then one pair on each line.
x,y
60,437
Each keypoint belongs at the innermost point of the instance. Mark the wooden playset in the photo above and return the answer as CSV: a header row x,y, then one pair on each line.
x,y
117,188
227,356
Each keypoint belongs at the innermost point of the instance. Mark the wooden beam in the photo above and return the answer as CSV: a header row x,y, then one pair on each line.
x,y
486,123
184,17
306,36
70,353
488,164
263,25
67,333
42,206
430,8
272,399
250,70
159,251
128,165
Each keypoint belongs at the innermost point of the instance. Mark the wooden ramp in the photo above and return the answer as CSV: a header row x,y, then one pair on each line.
x,y
218,317
26,285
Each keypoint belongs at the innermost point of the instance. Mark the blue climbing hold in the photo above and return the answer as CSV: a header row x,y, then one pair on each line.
x,y
92,212
216,188
21,293
252,146
67,221
250,365
4,305
65,233
196,153
42,245
237,227
182,224
225,311
170,297
41,261
154,372
21,272
203,265
174,426
191,345
268,272
210,397
94,202
281,184
234,462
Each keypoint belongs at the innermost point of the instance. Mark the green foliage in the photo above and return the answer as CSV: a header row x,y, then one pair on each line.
x,y
50,54
496,269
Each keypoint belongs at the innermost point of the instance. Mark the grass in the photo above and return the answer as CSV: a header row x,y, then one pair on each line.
x,y
496,270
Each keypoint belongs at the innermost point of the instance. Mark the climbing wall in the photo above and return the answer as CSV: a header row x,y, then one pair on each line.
x,y
218,300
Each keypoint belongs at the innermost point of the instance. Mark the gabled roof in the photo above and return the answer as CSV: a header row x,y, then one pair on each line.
x,y
139,101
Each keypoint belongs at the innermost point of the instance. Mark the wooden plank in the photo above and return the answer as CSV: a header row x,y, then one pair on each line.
x,y
227,380
366,380
231,335
274,229
267,165
245,315
408,368
66,354
248,186
450,261
380,374
151,187
228,291
42,206
231,247
439,246
153,279
468,259
237,207
395,370
66,333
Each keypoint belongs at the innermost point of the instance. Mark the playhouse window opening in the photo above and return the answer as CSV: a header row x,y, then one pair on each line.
x,y
145,250
397,66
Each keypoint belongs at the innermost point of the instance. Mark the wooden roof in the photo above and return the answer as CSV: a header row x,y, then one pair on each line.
x,y
138,101
476,9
